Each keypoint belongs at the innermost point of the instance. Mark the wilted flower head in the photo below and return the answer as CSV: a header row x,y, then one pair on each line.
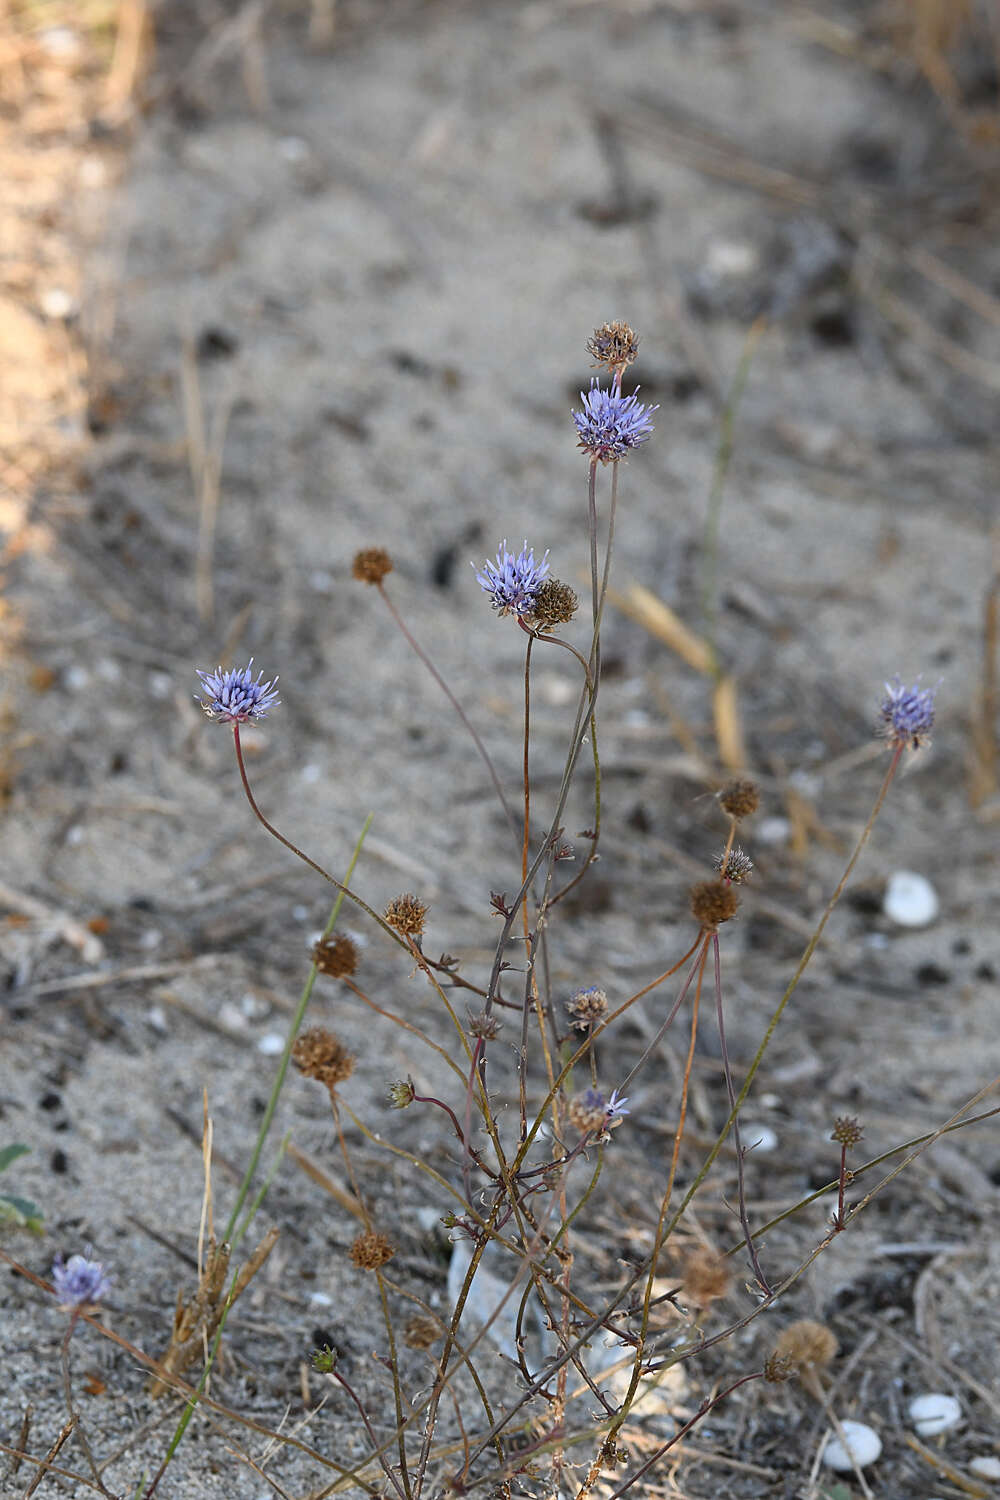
x,y
513,582
610,423
234,697
736,865
555,604
588,1007
79,1282
371,565
846,1131
614,345
590,1110
907,714
401,1093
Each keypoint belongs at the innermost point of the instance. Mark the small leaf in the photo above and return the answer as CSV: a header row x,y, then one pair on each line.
x,y
20,1211
11,1153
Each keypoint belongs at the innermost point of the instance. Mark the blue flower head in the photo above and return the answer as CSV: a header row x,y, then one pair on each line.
x,y
907,713
234,697
590,1111
79,1282
610,423
513,581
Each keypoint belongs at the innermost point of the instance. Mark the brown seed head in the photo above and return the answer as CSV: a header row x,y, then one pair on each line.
x,y
406,914
319,1054
588,1111
806,1345
777,1369
587,1007
484,1025
739,798
706,1276
614,345
555,604
371,1250
735,866
712,903
335,955
420,1332
371,565
846,1131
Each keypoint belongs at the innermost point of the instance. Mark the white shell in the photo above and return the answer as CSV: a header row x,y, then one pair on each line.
x,y
863,1441
910,899
986,1468
758,1139
934,1413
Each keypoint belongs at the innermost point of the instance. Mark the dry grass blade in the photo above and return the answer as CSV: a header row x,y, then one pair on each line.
x,y
641,605
323,1179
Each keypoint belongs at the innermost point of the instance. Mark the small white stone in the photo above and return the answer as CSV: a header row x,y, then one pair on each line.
x,y
774,831
160,685
75,835
320,1299
759,1139
157,1019
300,913
272,1044
726,259
151,938
56,303
933,1413
986,1468
311,773
293,148
230,1015
863,1441
321,582
910,899
76,678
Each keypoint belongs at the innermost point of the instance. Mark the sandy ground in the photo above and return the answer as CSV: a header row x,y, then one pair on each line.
x,y
345,290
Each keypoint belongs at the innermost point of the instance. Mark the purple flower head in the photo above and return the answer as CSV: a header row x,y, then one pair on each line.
x,y
234,697
513,581
79,1282
616,1108
610,423
907,713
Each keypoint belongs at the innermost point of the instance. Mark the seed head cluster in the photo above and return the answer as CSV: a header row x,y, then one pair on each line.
x,y
712,902
591,1111
420,1332
706,1276
610,424
613,345
906,713
236,696
335,955
484,1024
846,1131
740,799
405,914
401,1093
555,604
319,1054
371,565
587,1007
806,1345
371,1250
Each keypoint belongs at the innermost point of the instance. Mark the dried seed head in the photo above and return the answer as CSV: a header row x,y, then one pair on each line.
x,y
420,1332
371,565
846,1131
614,345
587,1007
712,903
777,1368
319,1054
484,1025
555,604
739,798
735,866
590,1110
401,1093
706,1276
371,1250
806,1345
335,955
406,914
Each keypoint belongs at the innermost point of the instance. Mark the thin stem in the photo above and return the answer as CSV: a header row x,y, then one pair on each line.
x,y
74,1414
442,684
293,1031
730,1090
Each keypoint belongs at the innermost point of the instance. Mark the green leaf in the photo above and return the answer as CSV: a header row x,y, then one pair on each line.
x,y
10,1154
20,1211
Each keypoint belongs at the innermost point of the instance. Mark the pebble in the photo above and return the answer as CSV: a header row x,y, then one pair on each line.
x,y
863,1441
774,831
985,1468
56,303
933,1413
760,1139
272,1044
910,899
